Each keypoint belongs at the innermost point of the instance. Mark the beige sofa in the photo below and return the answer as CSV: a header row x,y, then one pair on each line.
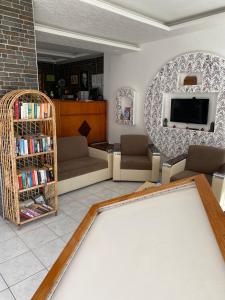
x,y
134,159
80,165
200,159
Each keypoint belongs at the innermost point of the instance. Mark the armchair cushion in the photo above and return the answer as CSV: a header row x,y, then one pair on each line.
x,y
189,173
204,159
80,166
72,147
132,144
135,162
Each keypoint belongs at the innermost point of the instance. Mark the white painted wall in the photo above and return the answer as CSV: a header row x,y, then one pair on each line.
x,y
137,69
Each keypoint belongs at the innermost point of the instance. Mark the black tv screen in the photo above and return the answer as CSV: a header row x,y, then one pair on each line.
x,y
192,110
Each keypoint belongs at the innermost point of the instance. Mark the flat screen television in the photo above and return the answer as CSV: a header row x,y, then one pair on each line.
x,y
190,110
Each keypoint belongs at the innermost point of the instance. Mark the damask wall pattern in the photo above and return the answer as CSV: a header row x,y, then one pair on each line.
x,y
174,141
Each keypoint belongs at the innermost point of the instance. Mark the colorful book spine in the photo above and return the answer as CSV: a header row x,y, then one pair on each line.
x,y
25,110
16,110
32,112
20,182
35,110
46,110
25,147
32,178
29,145
24,181
29,110
38,111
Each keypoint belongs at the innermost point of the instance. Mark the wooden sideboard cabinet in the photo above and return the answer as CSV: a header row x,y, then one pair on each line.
x,y
81,117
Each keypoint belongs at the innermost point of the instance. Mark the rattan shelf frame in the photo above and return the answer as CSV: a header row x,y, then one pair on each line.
x,y
9,129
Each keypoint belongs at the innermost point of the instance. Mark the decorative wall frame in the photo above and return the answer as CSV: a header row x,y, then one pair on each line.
x,y
74,79
174,141
125,106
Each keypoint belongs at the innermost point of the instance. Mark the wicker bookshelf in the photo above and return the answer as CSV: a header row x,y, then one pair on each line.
x,y
12,130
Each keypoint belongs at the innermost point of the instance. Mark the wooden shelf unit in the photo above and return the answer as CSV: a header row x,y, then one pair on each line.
x,y
32,120
10,129
34,154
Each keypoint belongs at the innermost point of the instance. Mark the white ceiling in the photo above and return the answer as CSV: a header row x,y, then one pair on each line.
x,y
170,11
118,26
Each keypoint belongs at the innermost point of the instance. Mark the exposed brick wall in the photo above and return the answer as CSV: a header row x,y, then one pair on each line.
x,y
18,66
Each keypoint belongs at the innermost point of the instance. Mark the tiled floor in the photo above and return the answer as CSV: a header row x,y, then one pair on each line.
x,y
27,254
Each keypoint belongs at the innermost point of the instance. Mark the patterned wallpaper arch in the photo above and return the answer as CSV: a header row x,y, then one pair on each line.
x,y
174,141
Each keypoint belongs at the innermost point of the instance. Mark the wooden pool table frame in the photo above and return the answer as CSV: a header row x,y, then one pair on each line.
x,y
214,212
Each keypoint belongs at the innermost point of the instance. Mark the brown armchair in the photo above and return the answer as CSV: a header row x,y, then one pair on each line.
x,y
135,159
200,159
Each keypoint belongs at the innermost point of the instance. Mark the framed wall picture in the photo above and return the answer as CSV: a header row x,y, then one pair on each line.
x,y
125,106
74,79
50,78
84,81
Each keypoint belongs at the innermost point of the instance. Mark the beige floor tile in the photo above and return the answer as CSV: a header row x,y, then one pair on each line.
x,y
66,237
12,248
38,236
3,285
6,295
64,226
49,252
6,232
25,289
20,268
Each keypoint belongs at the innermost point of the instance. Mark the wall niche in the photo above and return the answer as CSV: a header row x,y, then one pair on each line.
x,y
169,81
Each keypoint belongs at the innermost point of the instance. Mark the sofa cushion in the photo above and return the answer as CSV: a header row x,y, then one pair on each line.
x,y
189,173
135,162
71,147
80,166
205,159
132,144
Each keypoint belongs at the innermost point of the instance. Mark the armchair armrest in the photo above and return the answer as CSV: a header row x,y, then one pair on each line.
x,y
97,153
103,146
221,172
173,167
154,150
101,154
116,162
116,148
218,186
173,161
154,156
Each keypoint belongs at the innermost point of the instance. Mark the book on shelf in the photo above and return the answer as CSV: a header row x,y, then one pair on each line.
x,y
28,178
25,145
30,110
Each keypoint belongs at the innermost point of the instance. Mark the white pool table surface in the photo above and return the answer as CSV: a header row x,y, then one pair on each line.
x,y
160,248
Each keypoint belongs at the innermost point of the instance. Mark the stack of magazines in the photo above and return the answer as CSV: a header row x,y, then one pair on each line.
x,y
34,207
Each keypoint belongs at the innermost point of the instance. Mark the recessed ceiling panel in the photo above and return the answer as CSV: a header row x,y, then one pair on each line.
x,y
170,11
84,18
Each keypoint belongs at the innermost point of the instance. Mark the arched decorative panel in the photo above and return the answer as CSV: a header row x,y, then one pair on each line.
x,y
174,141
